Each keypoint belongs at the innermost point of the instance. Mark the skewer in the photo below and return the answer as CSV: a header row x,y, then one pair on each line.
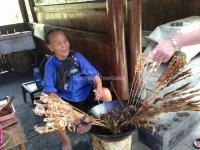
x,y
119,99
141,89
137,89
153,69
132,86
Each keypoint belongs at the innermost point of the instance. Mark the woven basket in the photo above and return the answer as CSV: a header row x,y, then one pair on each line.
x,y
102,144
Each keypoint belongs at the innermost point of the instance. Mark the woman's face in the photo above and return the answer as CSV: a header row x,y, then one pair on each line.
x,y
59,44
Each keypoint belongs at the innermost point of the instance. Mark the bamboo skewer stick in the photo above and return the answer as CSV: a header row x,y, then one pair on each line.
x,y
132,88
177,62
141,91
180,89
179,77
137,89
119,99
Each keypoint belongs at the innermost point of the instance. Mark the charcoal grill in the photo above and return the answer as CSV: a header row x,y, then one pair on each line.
x,y
103,133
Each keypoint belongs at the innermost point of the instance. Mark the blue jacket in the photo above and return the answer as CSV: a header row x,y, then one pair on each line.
x,y
79,88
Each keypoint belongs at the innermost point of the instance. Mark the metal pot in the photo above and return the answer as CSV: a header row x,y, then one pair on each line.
x,y
104,108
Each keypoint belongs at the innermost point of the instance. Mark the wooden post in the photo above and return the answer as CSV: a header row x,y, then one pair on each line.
x,y
135,43
117,37
32,5
23,10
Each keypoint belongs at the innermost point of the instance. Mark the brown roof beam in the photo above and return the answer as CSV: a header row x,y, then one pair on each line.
x,y
32,5
23,10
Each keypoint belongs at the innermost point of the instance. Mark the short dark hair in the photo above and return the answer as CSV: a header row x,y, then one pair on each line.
x,y
47,36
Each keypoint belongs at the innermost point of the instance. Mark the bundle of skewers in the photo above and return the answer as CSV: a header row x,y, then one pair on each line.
x,y
141,113
183,98
60,115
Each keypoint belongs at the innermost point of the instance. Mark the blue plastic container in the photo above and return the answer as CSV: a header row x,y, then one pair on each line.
x,y
38,79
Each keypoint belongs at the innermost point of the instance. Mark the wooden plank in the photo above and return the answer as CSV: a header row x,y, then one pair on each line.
x,y
135,38
1,63
4,63
117,36
10,28
135,47
23,10
17,134
4,30
90,17
157,12
9,123
32,5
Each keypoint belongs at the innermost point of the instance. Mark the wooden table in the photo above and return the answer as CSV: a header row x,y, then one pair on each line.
x,y
18,138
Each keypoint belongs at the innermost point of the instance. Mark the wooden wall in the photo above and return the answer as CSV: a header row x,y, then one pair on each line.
x,y
156,12
92,16
82,16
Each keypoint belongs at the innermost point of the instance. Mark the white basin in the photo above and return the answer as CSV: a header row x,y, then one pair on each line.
x,y
16,42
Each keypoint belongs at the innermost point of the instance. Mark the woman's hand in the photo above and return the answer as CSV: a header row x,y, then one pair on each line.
x,y
83,125
99,89
54,95
162,52
98,93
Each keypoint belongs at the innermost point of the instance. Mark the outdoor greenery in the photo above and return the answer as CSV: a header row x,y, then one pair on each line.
x,y
43,2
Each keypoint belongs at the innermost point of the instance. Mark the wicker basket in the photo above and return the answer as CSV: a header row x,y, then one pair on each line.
x,y
102,144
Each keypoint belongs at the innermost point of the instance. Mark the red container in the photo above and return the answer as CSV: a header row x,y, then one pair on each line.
x,y
10,115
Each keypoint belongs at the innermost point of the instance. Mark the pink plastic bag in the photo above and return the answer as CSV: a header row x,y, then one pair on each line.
x,y
1,135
